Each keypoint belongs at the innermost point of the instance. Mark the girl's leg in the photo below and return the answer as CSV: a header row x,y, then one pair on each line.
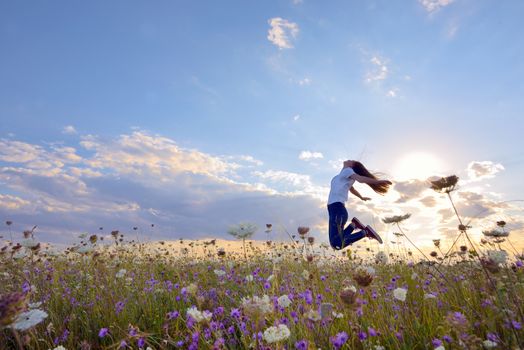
x,y
340,237
349,238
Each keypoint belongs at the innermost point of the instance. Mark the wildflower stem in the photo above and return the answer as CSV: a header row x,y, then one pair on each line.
x,y
18,340
289,235
484,268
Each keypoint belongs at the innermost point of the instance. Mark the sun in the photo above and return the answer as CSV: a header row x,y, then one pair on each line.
x,y
417,165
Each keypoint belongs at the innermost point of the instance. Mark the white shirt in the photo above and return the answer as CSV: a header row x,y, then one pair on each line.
x,y
340,186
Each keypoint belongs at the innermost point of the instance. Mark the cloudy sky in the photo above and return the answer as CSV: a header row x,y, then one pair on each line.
x,y
195,115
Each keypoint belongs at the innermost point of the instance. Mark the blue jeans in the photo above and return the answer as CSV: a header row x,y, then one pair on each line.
x,y
340,237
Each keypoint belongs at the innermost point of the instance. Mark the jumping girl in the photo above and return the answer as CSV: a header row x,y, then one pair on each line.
x,y
341,184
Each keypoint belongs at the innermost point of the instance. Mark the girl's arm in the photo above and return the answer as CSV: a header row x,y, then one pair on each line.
x,y
368,180
356,193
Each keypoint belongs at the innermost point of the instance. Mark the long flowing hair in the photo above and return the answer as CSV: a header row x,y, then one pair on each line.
x,y
361,170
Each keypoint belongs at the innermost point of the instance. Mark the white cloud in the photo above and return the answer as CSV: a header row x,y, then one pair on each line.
x,y
336,164
411,189
434,5
479,170
379,72
282,32
308,155
305,81
18,152
69,130
137,179
296,117
297,2
392,93
284,176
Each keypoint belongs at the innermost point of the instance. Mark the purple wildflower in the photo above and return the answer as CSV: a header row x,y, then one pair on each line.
x,y
172,315
339,339
141,342
493,337
362,335
123,344
436,342
103,332
235,313
516,324
301,345
119,306
26,287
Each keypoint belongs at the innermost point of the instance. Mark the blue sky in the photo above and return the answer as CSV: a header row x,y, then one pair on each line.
x,y
196,115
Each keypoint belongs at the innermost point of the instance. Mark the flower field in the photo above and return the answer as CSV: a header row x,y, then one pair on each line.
x,y
198,295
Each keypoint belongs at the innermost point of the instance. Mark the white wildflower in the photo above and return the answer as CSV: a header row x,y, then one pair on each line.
x,y
59,347
198,315
430,296
276,334
255,303
306,275
243,230
28,319
379,347
284,301
498,256
381,257
270,278
313,315
326,310
400,294
29,243
192,288
337,314
53,252
85,249
496,233
488,344
35,305
440,347
370,270
249,278
121,273
19,255
220,273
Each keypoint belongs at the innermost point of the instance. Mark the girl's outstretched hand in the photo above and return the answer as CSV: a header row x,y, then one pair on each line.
x,y
387,182
366,198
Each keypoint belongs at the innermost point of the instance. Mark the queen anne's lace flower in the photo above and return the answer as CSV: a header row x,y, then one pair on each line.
x,y
198,315
498,256
121,273
313,315
276,334
29,243
284,301
261,304
243,230
488,344
400,294
28,319
220,273
381,257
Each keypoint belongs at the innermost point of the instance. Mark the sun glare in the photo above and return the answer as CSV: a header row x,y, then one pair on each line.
x,y
417,165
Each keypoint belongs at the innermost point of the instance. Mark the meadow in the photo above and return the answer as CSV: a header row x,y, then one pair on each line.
x,y
266,295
